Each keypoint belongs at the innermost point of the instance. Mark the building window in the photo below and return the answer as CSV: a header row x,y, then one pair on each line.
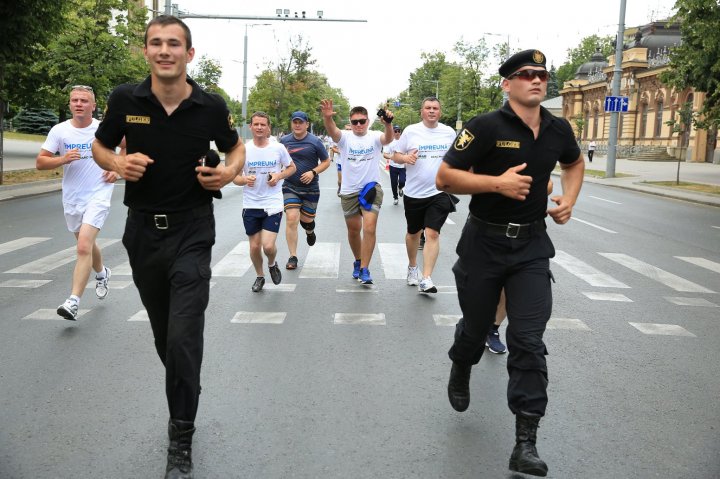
x,y
643,120
586,126
658,118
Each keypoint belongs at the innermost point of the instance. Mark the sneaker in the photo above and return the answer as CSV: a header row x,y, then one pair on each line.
x,y
422,242
395,201
292,263
413,276
101,285
400,192
311,238
356,269
68,310
365,276
275,273
493,342
426,286
258,284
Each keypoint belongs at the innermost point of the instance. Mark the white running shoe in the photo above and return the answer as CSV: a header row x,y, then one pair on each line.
x,y
426,286
68,310
101,285
413,276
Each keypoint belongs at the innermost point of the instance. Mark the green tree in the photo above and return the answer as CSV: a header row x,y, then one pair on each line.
x,y
553,88
696,61
207,73
582,53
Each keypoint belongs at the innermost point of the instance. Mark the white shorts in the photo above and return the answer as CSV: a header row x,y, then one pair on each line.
x,y
94,214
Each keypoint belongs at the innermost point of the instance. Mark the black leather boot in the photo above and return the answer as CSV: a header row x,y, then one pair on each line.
x,y
459,387
525,457
179,459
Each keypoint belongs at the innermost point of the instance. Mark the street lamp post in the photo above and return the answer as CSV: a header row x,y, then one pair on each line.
x,y
244,131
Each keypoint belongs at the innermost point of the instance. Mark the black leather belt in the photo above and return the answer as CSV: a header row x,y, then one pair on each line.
x,y
511,230
163,221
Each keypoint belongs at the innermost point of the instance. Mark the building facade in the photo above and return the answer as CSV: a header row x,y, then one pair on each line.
x,y
652,128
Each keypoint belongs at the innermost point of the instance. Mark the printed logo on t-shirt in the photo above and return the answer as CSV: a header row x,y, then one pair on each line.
x,y
507,144
295,150
143,120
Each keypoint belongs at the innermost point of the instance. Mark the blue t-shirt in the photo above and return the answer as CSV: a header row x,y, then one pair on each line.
x,y
305,154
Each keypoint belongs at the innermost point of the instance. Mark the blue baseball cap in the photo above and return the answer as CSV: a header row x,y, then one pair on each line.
x,y
299,115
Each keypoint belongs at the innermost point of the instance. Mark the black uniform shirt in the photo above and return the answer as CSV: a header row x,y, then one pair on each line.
x,y
175,142
493,142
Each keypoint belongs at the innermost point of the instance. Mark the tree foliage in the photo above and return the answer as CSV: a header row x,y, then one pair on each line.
x,y
696,61
582,53
292,84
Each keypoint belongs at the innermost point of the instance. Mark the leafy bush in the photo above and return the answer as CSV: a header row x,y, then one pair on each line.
x,y
35,120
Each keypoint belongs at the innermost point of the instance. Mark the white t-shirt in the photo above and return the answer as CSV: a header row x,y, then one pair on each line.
x,y
259,162
82,179
390,149
361,160
431,145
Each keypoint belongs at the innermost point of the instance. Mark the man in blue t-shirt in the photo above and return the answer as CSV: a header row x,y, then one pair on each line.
x,y
301,191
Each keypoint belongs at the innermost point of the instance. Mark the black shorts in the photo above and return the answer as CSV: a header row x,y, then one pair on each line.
x,y
428,212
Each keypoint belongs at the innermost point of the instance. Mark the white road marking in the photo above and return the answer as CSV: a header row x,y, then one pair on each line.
x,y
112,284
55,260
691,301
446,319
668,279
140,316
702,262
235,263
51,314
24,283
248,317
608,297
360,318
662,329
393,257
364,289
449,221
594,225
603,199
20,243
584,271
567,323
123,269
322,261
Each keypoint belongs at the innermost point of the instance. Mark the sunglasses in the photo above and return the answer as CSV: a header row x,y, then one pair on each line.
x,y
530,75
81,87
360,121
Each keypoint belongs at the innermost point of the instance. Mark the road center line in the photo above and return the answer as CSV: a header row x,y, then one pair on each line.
x,y
594,225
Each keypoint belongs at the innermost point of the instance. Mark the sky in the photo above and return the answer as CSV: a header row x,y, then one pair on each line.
x,y
372,61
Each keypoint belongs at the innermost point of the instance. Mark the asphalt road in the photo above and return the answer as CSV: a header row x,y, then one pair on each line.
x,y
314,392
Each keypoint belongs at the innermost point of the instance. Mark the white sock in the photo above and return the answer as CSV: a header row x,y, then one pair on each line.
x,y
102,273
74,298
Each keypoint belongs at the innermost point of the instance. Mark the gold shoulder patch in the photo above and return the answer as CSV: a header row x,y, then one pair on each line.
x,y
143,120
507,144
463,140
231,121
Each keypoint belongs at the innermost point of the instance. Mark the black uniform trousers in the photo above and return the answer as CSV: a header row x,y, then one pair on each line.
x,y
489,261
171,269
397,180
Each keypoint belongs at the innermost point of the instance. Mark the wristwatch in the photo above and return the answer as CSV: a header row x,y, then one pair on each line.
x,y
315,173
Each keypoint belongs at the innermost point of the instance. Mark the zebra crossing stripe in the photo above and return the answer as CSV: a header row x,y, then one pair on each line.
x,y
691,302
668,279
567,323
123,269
360,318
235,263
446,319
662,329
20,243
55,260
702,262
621,298
24,283
585,272
140,316
393,257
51,314
248,317
322,261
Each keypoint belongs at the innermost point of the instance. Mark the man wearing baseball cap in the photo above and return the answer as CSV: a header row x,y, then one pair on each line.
x,y
504,160
301,191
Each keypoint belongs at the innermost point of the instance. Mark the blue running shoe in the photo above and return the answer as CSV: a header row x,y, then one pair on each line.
x,y
356,269
494,344
365,276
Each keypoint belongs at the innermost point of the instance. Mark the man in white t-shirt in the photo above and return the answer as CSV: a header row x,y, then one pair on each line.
x,y
267,164
397,170
421,149
87,190
360,191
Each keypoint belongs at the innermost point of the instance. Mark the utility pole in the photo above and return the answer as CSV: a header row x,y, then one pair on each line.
x,y
280,15
617,73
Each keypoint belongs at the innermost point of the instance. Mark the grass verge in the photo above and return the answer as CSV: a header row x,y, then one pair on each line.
x,y
684,185
15,177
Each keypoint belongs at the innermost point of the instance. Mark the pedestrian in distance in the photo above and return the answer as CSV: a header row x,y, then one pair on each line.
x,y
360,192
168,122
267,164
301,191
87,190
591,150
397,170
421,149
504,160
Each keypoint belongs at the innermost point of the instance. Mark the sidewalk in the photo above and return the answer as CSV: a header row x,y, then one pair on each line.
x,y
641,171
